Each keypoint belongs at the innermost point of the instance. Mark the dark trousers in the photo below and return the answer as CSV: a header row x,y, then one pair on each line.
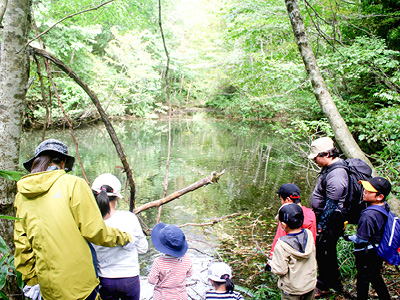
x,y
127,288
369,265
94,295
328,268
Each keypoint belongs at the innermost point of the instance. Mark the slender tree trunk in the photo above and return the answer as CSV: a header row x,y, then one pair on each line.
x,y
3,7
342,133
14,74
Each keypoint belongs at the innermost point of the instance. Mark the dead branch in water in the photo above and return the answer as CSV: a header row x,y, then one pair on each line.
x,y
213,222
212,178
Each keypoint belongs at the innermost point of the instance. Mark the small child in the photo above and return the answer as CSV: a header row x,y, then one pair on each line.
x,y
220,275
369,233
290,193
169,272
294,256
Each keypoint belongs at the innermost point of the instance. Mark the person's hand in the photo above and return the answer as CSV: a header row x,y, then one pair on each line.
x,y
349,238
267,267
32,292
129,246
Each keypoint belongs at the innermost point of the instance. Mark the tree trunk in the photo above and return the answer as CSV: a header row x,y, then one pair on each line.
x,y
14,74
342,133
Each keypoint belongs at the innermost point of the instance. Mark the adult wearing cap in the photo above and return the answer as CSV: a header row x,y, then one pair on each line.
x,y
58,216
328,203
369,234
118,267
169,272
290,193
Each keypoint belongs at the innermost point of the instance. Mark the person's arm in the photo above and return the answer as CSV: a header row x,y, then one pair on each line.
x,y
336,186
153,276
89,220
141,243
24,259
280,261
279,232
190,270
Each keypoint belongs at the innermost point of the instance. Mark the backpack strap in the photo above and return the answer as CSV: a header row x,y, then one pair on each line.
x,y
325,171
379,208
383,211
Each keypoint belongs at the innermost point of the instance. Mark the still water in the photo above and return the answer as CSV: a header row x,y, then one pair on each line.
x,y
254,157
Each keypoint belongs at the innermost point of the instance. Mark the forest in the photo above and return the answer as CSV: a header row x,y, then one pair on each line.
x,y
237,59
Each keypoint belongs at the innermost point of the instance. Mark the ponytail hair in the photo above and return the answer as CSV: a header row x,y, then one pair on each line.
x,y
228,283
103,201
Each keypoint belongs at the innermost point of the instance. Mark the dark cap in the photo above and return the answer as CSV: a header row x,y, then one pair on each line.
x,y
289,190
292,215
377,185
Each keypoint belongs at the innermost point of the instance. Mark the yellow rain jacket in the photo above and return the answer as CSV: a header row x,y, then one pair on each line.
x,y
59,216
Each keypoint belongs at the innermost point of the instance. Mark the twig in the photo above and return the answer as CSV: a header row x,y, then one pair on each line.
x,y
201,241
165,184
213,178
71,129
211,222
67,17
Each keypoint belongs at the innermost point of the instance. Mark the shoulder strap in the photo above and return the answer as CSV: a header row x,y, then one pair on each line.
x,y
329,169
379,208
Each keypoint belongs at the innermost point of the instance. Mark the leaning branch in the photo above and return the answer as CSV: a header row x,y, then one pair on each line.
x,y
212,178
213,222
102,113
67,17
165,184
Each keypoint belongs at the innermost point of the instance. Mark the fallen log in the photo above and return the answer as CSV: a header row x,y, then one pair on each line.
x,y
212,178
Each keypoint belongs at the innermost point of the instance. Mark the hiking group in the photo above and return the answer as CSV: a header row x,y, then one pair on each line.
x,y
303,253
72,243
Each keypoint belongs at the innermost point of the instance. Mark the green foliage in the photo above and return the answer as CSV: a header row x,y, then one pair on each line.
x,y
11,175
365,68
265,292
7,266
346,259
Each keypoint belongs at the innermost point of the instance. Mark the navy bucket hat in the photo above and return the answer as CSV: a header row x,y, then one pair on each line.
x,y
52,145
169,239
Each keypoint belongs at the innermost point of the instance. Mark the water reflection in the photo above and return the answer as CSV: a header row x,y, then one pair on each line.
x,y
251,153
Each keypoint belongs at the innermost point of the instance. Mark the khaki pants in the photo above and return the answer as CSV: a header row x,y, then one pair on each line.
x,y
307,296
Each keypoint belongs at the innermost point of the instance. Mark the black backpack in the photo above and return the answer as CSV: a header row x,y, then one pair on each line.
x,y
357,170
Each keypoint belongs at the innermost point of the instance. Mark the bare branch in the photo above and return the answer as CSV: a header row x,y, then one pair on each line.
x,y
3,7
67,17
165,183
103,115
213,222
213,178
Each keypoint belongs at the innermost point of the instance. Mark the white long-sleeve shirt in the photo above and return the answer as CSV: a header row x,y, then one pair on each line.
x,y
118,262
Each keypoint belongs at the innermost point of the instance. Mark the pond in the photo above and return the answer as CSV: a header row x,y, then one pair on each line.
x,y
254,157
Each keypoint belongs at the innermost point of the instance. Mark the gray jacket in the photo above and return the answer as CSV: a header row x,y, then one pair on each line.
x,y
332,185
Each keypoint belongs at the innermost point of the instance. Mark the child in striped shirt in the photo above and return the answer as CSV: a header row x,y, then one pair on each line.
x,y
220,275
169,272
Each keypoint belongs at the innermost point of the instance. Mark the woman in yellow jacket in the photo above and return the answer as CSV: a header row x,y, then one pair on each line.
x,y
59,218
